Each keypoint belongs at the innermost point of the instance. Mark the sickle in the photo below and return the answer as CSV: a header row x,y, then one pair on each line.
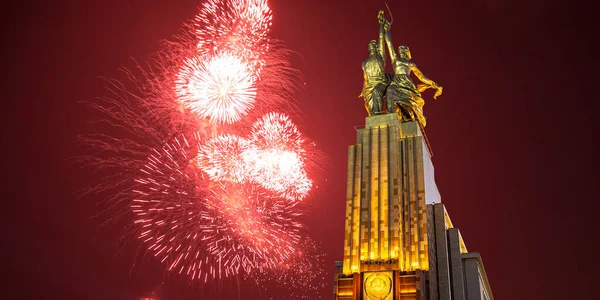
x,y
389,11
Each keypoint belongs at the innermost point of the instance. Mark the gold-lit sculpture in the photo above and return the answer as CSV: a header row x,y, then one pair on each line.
x,y
375,81
399,241
402,96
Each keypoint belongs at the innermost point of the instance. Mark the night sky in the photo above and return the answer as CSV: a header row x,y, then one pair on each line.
x,y
513,135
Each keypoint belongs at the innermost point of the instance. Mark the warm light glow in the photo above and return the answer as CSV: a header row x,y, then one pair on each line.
x,y
345,292
378,286
408,290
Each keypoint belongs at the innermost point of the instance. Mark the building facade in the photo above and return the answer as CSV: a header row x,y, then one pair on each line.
x,y
399,240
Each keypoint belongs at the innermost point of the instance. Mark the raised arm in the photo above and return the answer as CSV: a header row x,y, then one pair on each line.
x,y
381,44
390,45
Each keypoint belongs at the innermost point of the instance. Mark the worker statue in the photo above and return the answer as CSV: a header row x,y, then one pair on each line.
x,y
373,67
401,94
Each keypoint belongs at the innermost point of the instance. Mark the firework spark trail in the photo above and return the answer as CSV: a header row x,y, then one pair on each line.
x,y
276,130
241,26
136,116
143,111
217,231
302,276
257,72
279,161
220,204
221,158
279,171
221,87
272,157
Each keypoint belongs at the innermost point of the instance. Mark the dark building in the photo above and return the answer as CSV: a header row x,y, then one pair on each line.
x,y
399,240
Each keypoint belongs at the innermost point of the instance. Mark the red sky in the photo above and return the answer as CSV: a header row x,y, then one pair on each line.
x,y
513,135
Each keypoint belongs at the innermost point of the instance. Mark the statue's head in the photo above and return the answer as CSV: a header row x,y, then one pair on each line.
x,y
373,47
404,52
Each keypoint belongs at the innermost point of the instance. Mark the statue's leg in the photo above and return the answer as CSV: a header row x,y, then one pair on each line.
x,y
377,95
404,112
390,99
369,104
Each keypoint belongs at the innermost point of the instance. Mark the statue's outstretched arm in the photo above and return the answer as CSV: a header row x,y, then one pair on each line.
x,y
421,76
381,45
428,83
390,45
382,29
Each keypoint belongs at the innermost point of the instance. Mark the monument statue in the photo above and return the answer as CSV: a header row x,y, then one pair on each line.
x,y
398,239
401,94
373,67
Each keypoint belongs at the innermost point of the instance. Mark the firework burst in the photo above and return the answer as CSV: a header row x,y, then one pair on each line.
x,y
278,160
276,130
240,26
221,158
205,230
279,171
219,87
215,205
273,157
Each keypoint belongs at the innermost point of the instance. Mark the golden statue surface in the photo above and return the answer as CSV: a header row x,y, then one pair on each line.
x,y
375,80
401,94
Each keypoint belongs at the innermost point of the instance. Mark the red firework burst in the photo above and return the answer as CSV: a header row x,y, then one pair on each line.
x,y
278,160
272,157
211,206
240,26
207,230
222,157
220,87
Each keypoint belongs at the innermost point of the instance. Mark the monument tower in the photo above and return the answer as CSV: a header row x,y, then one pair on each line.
x,y
399,241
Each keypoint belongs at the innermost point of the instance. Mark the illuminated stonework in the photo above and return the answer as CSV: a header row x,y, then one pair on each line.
x,y
399,241
388,186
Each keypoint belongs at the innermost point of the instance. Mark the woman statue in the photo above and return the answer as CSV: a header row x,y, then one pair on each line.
x,y
402,95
